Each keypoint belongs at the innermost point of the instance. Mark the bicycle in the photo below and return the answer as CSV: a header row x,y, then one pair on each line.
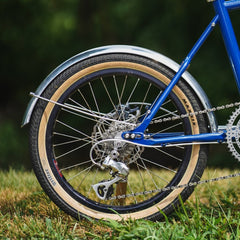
x,y
122,131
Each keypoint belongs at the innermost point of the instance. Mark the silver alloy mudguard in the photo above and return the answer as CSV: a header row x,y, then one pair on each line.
x,y
123,49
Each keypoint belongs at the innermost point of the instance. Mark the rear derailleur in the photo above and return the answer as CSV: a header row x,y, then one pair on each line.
x,y
118,170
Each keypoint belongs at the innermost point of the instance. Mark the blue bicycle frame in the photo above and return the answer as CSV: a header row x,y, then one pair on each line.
x,y
222,18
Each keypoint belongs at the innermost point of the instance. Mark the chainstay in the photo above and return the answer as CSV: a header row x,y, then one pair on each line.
x,y
171,188
191,184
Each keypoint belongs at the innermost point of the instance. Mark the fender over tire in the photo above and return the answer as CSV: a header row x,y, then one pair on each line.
x,y
121,49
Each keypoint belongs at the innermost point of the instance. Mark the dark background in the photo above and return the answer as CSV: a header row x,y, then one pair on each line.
x,y
36,36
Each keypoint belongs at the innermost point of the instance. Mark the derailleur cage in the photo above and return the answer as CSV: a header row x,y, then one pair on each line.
x,y
104,189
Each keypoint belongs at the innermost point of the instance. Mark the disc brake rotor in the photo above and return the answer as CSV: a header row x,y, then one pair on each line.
x,y
117,149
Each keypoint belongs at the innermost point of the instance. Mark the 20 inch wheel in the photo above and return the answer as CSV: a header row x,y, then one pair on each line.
x,y
78,127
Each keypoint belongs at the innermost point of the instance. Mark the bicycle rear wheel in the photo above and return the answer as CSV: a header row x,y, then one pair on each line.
x,y
102,97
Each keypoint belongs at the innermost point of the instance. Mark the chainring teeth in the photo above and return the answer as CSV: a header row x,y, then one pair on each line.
x,y
233,134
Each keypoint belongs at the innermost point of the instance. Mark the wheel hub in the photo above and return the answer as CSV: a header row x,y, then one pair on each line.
x,y
115,147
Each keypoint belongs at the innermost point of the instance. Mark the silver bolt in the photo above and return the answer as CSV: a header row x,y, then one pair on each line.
x,y
127,135
133,135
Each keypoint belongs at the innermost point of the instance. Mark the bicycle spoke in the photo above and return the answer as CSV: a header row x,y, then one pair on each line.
x,y
94,97
78,104
76,175
168,128
108,94
132,192
119,100
84,99
66,135
133,90
71,151
106,122
90,189
85,175
159,165
66,143
149,172
89,108
141,177
75,165
69,136
145,96
117,92
124,85
75,130
170,155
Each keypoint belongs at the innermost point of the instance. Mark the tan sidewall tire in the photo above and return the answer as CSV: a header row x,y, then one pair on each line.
x,y
45,161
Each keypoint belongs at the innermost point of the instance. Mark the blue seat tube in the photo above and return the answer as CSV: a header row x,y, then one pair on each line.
x,y
229,37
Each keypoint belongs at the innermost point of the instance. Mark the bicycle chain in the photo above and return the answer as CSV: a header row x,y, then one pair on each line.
x,y
196,113
191,184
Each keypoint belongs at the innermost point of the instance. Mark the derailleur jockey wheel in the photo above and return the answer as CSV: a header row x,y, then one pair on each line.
x,y
102,188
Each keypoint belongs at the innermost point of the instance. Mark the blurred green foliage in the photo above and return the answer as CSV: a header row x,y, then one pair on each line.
x,y
36,36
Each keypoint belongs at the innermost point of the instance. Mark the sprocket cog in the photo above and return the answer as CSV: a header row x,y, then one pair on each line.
x,y
233,134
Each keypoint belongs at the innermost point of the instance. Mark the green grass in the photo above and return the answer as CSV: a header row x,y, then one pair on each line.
x,y
212,212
